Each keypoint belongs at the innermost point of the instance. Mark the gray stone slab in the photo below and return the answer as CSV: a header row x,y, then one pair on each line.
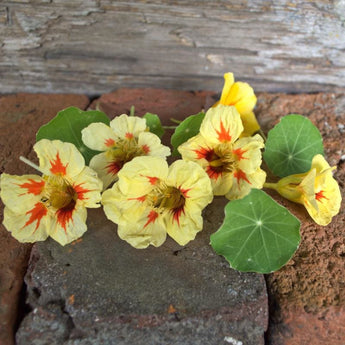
x,y
100,290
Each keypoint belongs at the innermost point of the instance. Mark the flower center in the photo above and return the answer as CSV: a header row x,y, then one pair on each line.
x,y
58,192
222,159
125,150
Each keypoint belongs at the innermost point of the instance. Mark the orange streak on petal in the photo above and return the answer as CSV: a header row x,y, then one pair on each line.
x,y
239,153
319,196
81,191
223,133
129,135
146,149
204,153
241,175
213,174
113,167
65,215
185,192
109,142
36,214
140,198
33,187
152,216
152,179
57,167
177,212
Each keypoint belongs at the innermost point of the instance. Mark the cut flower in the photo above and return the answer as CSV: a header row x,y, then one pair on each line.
x,y
232,164
316,189
241,96
126,138
53,204
151,199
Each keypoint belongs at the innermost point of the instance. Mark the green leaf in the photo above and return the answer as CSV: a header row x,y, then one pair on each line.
x,y
291,145
67,126
154,123
257,235
188,128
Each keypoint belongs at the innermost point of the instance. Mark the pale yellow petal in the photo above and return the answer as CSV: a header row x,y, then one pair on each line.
x,y
152,146
222,183
105,168
319,163
88,187
140,175
243,183
221,124
228,82
98,136
30,227
59,158
125,126
73,229
20,193
250,124
145,231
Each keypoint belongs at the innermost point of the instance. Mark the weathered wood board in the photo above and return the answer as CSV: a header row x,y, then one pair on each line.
x,y
95,46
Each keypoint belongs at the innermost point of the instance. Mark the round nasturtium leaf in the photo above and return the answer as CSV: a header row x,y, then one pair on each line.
x,y
257,235
154,123
188,128
291,145
67,126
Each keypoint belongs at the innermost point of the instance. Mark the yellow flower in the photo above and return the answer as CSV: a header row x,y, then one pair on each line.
x,y
316,189
53,204
232,164
240,95
126,138
151,199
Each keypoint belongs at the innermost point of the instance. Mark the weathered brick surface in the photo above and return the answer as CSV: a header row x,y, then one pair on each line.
x,y
307,296
21,116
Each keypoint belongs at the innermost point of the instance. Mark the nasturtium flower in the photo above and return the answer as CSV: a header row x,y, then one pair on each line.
x,y
241,96
55,203
151,199
232,163
126,138
316,189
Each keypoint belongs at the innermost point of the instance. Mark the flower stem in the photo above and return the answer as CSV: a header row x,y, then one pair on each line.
x,y
169,127
132,111
175,121
32,165
270,185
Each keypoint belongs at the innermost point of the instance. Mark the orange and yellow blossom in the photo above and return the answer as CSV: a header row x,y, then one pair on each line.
x,y
241,96
54,204
151,200
316,189
126,138
232,164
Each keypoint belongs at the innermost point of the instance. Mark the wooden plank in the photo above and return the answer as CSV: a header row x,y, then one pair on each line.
x,y
95,46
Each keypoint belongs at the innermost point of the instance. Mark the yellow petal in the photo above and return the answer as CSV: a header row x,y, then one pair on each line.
x,y
67,230
88,187
221,124
30,227
59,158
20,193
242,97
125,126
250,124
152,146
228,82
98,136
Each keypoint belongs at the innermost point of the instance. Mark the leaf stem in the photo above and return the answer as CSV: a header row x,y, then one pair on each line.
x,y
175,121
132,111
32,165
169,127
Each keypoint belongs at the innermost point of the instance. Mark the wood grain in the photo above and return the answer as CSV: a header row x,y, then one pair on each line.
x,y
95,46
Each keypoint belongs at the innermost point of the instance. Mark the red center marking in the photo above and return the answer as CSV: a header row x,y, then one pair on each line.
x,y
113,167
241,175
213,173
36,214
81,191
177,212
152,216
33,187
185,192
239,153
129,135
146,149
204,153
223,133
57,167
152,179
319,196
64,215
109,142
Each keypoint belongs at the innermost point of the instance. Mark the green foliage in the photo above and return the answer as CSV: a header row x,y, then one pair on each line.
x,y
188,128
257,235
291,145
154,123
67,126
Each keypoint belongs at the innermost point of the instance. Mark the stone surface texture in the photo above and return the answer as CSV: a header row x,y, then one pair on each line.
x,y
307,296
21,116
